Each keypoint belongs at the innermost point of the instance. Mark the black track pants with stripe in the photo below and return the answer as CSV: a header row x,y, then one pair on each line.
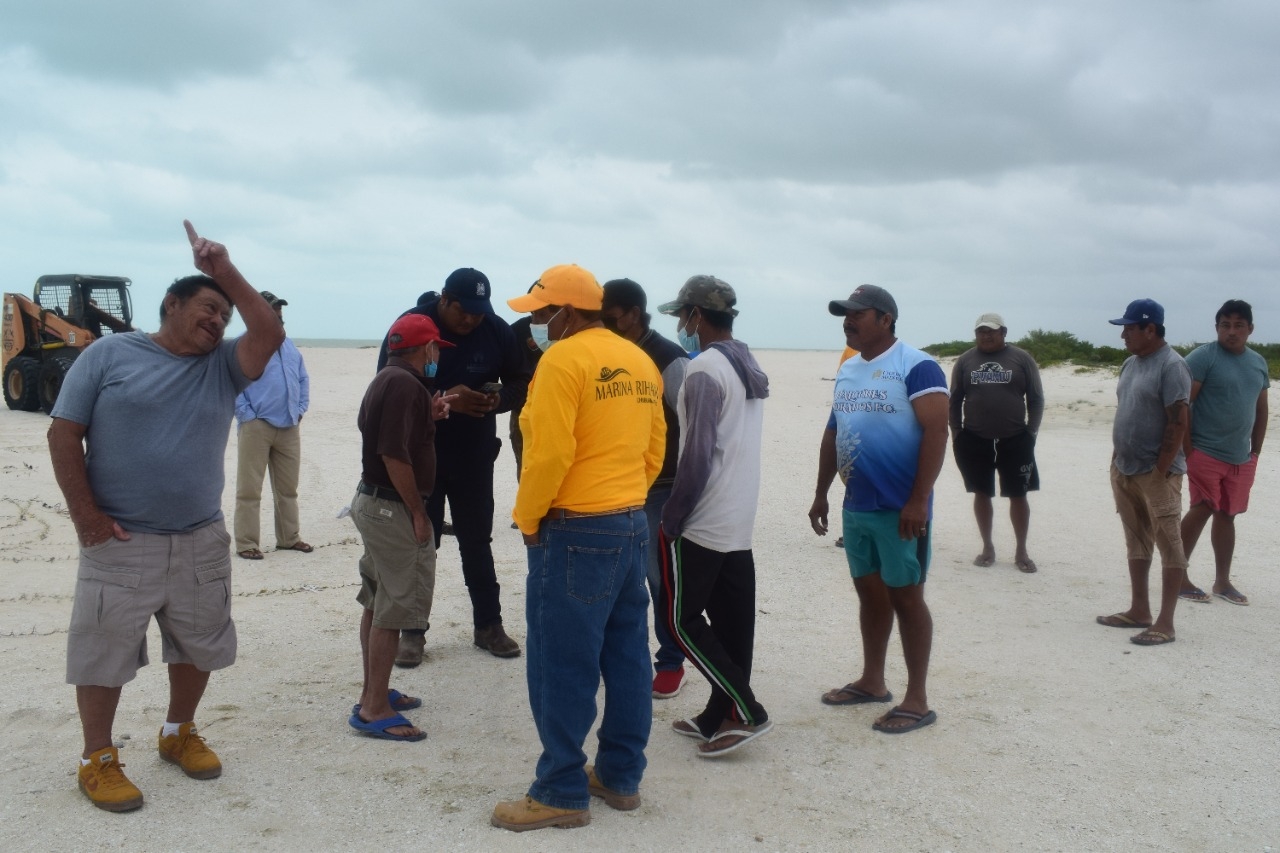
x,y
709,604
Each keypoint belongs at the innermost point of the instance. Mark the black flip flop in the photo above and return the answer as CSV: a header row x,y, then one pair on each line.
x,y
921,720
858,697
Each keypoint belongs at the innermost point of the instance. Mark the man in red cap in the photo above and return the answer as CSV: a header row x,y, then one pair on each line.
x,y
398,469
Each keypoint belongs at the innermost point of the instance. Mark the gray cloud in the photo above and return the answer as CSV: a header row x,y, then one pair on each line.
x,y
1041,159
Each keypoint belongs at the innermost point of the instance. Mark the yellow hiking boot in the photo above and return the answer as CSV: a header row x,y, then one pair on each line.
x,y
187,750
621,802
526,814
104,783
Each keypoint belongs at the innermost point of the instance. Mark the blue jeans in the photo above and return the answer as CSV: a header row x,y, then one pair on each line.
x,y
587,611
669,656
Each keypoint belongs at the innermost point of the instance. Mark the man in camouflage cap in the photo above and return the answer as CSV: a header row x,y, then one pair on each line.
x,y
707,565
703,291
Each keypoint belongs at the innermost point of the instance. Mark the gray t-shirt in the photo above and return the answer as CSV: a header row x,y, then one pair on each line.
x,y
999,393
157,429
1148,385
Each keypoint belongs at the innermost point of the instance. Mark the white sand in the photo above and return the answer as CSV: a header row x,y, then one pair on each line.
x,y
1054,733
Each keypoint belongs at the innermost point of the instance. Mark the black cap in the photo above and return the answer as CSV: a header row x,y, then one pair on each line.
x,y
469,288
272,299
624,293
865,296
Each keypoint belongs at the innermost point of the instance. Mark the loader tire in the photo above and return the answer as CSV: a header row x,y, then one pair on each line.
x,y
22,383
52,373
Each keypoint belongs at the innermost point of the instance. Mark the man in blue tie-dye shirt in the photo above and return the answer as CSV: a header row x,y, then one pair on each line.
x,y
887,436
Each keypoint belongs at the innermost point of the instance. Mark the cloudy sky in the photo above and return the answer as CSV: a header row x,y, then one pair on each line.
x,y
1048,160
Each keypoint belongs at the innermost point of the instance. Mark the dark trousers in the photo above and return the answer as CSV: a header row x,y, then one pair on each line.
x,y
698,580
464,477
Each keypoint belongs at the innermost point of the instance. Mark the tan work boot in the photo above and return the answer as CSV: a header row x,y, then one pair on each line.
x,y
187,750
495,641
526,814
104,783
409,653
621,802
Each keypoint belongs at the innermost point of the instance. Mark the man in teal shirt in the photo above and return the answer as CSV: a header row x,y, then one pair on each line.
x,y
1229,385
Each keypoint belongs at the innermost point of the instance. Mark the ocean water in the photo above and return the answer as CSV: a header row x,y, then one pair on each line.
x,y
355,343
337,343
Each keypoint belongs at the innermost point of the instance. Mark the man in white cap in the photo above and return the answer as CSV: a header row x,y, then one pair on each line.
x,y
997,403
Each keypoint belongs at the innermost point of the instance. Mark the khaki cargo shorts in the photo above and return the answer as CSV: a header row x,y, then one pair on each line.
x,y
397,575
1150,508
182,579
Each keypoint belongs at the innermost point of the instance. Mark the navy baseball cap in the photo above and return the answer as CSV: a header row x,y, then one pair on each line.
x,y
624,293
1142,311
470,289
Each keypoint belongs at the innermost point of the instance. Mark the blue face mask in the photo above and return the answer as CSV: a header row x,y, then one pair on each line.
x,y
430,369
689,340
540,334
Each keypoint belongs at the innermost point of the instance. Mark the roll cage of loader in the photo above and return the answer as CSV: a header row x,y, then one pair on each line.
x,y
43,335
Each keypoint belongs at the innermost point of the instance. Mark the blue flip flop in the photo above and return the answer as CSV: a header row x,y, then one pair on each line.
x,y
397,700
378,728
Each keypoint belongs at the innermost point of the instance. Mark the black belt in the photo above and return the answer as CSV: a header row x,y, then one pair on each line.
x,y
559,513
379,492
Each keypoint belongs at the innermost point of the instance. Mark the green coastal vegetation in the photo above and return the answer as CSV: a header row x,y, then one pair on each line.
x,y
1049,348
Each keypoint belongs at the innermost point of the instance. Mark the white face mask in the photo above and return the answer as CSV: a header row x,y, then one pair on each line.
x,y
540,334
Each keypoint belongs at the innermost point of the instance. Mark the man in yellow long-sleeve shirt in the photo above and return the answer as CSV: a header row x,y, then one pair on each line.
x,y
594,441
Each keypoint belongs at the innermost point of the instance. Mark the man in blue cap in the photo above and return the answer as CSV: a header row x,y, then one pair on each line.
x,y
1147,466
484,353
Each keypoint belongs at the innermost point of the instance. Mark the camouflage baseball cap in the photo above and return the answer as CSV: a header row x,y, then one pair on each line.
x,y
703,291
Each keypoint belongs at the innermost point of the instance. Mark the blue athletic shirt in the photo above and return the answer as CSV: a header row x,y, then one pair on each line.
x,y
877,434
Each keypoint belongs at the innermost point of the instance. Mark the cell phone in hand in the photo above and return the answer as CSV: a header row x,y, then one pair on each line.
x,y
491,388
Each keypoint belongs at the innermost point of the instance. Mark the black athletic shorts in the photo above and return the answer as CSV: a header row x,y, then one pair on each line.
x,y
1014,457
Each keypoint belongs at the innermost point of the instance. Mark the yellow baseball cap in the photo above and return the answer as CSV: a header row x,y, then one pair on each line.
x,y
566,284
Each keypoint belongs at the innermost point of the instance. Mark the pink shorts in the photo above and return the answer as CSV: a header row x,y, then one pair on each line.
x,y
1224,487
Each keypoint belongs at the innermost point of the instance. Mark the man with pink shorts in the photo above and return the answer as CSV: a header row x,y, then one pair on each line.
x,y
1229,385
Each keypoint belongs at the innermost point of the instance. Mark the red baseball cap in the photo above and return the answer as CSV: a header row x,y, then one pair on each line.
x,y
413,330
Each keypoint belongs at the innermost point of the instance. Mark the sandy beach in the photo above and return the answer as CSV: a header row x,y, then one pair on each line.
x,y
1054,733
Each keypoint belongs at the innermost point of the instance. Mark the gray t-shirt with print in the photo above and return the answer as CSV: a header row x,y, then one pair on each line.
x,y
998,394
157,429
1148,385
